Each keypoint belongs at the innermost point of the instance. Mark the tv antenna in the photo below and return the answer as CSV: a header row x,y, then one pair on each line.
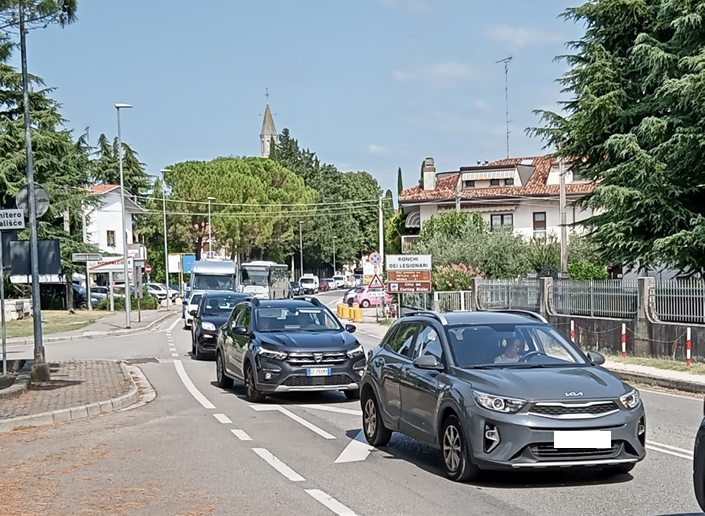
x,y
506,61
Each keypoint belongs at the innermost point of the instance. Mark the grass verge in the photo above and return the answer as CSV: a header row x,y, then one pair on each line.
x,y
55,321
661,363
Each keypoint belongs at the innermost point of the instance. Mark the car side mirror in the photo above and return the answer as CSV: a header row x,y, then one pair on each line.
x,y
595,358
240,330
428,362
350,328
193,313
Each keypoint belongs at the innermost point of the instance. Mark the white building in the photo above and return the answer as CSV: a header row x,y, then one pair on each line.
x,y
521,193
102,224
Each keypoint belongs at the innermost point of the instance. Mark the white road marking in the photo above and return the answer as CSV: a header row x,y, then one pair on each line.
x,y
358,450
328,408
223,418
278,465
698,399
174,354
300,420
173,325
669,450
669,447
241,434
330,502
200,398
370,335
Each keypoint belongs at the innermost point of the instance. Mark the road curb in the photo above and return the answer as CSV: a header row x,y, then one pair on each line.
x,y
80,412
668,383
95,335
21,383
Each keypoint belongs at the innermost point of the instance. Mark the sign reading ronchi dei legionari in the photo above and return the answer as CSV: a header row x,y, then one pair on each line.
x,y
409,262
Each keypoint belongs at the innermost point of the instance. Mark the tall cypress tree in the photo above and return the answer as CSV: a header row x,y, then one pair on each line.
x,y
400,182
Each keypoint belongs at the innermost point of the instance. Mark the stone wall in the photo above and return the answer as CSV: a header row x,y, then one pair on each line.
x,y
17,309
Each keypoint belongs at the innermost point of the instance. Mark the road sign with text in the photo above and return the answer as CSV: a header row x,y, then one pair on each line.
x,y
409,273
11,219
409,262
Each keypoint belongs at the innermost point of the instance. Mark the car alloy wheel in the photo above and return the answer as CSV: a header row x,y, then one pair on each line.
x,y
456,454
251,391
365,303
375,431
224,382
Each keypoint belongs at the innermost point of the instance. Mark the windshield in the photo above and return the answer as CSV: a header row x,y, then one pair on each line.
x,y
255,277
195,299
220,305
508,345
296,319
306,281
213,282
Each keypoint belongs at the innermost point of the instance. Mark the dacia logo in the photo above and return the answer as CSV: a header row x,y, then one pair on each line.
x,y
318,357
573,394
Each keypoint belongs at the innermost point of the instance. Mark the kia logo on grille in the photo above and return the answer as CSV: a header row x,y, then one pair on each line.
x,y
318,357
573,394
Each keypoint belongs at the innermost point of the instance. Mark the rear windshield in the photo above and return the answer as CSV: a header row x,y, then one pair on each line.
x,y
195,299
307,280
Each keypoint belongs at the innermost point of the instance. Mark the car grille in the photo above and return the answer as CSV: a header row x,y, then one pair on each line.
x,y
310,359
574,410
311,381
549,453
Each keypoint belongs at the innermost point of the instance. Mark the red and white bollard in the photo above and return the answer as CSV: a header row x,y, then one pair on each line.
x,y
572,331
624,340
688,344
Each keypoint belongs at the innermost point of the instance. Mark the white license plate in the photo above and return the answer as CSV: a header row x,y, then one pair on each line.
x,y
582,439
318,371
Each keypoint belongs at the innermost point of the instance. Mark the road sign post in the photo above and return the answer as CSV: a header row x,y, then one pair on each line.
x,y
408,274
9,220
87,257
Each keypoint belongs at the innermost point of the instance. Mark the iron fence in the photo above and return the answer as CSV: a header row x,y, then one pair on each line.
x,y
603,298
452,301
678,301
522,294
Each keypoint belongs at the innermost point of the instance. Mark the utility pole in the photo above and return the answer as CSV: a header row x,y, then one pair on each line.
x,y
381,233
506,61
301,247
564,229
166,250
40,370
334,239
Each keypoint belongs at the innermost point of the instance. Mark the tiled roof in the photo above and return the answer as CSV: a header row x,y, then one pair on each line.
x,y
535,186
101,189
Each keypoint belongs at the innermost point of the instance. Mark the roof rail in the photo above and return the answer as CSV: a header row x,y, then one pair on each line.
x,y
429,313
527,313
310,299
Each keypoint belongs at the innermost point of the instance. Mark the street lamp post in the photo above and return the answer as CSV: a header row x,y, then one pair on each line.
x,y
334,239
128,321
210,235
166,249
301,247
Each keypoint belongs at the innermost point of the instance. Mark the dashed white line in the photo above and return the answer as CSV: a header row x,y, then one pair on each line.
x,y
669,450
298,419
190,386
278,465
174,354
357,451
241,434
330,502
328,408
223,419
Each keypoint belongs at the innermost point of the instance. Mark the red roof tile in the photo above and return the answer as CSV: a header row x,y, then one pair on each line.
x,y
102,188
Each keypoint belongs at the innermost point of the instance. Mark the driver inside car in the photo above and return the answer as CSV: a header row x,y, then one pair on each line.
x,y
511,352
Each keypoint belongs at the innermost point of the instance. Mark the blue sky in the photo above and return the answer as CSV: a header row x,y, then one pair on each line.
x,y
367,84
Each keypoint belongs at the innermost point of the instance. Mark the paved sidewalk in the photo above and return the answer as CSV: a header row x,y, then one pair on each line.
x,y
72,384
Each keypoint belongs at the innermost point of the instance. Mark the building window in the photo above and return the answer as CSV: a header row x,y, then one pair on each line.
x,y
469,184
502,221
111,238
539,224
494,182
509,181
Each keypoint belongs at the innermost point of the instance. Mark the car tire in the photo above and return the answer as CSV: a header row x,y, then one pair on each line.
x,y
620,469
197,352
353,394
456,452
372,425
365,303
252,394
223,381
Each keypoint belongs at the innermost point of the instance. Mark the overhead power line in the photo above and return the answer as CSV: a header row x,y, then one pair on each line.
x,y
250,205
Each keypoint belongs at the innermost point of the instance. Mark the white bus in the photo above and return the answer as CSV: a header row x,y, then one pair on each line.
x,y
213,275
265,280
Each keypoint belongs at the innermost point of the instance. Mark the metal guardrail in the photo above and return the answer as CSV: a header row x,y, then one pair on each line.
x,y
678,301
603,298
522,294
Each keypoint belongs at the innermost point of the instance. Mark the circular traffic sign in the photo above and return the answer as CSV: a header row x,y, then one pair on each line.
x,y
41,198
148,269
375,258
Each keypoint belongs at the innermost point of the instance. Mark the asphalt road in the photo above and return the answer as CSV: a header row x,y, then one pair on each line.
x,y
198,449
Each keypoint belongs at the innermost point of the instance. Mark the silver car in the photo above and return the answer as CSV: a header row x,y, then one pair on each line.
x,y
500,390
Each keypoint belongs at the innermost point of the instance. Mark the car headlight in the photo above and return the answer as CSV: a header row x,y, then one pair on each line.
x,y
498,403
208,326
355,351
272,353
631,399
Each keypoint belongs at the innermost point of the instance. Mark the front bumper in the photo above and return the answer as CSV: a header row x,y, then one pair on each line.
x,y
282,376
207,341
526,441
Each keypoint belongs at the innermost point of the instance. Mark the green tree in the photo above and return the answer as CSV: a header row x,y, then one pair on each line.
x,y
400,182
635,119
105,167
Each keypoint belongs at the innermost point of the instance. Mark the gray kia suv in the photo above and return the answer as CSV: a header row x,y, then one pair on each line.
x,y
499,390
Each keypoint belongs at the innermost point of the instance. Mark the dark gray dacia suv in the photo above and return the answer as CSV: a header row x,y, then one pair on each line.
x,y
499,390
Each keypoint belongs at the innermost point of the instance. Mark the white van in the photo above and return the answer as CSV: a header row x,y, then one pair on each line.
x,y
309,284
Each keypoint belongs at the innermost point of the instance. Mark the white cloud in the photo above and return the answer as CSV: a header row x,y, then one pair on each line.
x,y
520,37
439,75
414,6
377,149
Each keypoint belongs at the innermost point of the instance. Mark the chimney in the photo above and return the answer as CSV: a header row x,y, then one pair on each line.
x,y
479,162
429,174
487,162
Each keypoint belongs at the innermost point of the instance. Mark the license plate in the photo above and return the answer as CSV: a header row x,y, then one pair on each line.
x,y
318,371
582,439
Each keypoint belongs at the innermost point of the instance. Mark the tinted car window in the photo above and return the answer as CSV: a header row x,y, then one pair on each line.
x,y
195,299
402,339
429,343
296,319
219,305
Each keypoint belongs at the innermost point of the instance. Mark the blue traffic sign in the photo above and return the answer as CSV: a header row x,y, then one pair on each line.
x,y
375,258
